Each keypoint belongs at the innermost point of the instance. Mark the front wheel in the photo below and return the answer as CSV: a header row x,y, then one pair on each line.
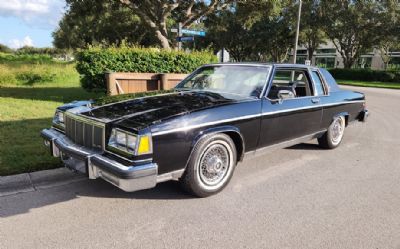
x,y
211,165
334,135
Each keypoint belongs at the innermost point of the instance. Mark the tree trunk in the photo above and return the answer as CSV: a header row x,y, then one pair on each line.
x,y
310,53
348,62
163,40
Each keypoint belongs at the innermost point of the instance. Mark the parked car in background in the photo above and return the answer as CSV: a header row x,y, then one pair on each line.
x,y
198,133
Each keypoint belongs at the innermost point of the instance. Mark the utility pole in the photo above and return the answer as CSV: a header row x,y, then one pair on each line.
x,y
297,33
179,35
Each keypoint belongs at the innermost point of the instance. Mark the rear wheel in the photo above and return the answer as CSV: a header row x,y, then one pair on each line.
x,y
211,166
334,135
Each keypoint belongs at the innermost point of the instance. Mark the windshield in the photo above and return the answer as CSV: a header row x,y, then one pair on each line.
x,y
247,81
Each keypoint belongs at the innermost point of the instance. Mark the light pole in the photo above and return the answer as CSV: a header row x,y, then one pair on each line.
x,y
297,33
179,35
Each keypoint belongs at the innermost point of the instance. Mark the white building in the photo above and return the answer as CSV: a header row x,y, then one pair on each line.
x,y
327,56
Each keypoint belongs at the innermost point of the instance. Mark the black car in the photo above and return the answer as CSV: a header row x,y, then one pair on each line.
x,y
209,122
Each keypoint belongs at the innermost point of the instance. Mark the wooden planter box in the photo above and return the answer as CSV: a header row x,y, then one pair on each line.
x,y
120,83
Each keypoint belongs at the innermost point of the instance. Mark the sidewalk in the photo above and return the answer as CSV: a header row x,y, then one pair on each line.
x,y
28,182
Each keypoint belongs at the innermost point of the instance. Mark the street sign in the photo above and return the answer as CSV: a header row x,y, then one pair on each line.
x,y
193,32
174,30
185,38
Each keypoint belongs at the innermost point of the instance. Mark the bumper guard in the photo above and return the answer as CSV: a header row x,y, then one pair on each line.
x,y
364,116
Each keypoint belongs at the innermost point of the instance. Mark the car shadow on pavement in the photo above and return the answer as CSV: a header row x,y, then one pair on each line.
x,y
162,191
25,202
305,146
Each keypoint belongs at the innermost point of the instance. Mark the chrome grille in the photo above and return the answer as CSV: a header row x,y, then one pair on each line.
x,y
84,131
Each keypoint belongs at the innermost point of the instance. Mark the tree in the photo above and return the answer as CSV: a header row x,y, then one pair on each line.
x,y
274,37
5,49
275,33
390,41
156,14
311,34
226,30
386,47
246,29
353,26
97,22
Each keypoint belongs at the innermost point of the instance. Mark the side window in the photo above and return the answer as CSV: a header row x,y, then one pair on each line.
x,y
318,83
294,83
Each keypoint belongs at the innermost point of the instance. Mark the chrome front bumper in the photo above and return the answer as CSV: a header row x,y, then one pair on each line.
x,y
96,165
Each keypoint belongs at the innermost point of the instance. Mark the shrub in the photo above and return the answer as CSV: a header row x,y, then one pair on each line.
x,y
39,51
34,76
7,76
25,58
95,61
365,75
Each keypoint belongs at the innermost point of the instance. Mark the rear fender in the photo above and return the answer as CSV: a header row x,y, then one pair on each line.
x,y
345,114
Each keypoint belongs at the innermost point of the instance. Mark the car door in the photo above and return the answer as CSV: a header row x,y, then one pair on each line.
x,y
289,116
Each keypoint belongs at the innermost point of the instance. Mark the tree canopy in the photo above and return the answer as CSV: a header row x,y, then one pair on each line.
x,y
312,32
155,14
356,26
5,49
90,22
248,29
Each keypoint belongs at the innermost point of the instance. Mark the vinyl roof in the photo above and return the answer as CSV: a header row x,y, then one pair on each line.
x,y
262,64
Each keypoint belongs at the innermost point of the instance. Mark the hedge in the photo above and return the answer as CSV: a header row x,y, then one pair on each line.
x,y
94,62
365,75
25,58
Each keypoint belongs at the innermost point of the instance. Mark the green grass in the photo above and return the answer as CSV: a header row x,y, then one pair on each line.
x,y
26,74
391,85
28,108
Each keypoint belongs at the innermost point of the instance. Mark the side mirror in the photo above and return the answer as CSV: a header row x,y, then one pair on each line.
x,y
285,94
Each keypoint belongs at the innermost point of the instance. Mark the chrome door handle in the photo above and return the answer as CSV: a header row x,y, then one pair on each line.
x,y
315,100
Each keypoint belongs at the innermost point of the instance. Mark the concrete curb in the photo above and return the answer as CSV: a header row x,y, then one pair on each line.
x,y
28,182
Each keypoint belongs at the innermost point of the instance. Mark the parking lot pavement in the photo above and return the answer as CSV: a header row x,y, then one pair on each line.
x,y
298,197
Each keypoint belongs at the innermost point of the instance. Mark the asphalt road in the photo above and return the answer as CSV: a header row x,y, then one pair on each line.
x,y
298,197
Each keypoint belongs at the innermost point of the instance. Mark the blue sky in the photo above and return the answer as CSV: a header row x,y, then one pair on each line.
x,y
29,22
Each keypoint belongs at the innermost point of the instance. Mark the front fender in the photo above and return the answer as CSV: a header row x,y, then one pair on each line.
x,y
230,130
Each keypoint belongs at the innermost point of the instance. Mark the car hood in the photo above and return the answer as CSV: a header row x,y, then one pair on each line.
x,y
142,112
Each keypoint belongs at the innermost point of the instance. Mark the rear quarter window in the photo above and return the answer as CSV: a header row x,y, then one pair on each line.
x,y
330,81
319,85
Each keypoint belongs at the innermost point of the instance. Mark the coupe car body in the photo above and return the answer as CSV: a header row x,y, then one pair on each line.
x,y
197,133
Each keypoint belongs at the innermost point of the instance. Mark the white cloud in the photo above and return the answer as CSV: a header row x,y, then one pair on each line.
x,y
15,43
37,13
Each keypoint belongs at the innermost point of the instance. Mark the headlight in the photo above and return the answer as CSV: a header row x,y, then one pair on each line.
x,y
58,119
130,143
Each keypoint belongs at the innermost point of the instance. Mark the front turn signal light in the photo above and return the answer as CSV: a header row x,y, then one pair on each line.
x,y
144,146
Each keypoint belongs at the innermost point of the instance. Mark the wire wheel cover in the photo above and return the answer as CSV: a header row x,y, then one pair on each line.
x,y
214,164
